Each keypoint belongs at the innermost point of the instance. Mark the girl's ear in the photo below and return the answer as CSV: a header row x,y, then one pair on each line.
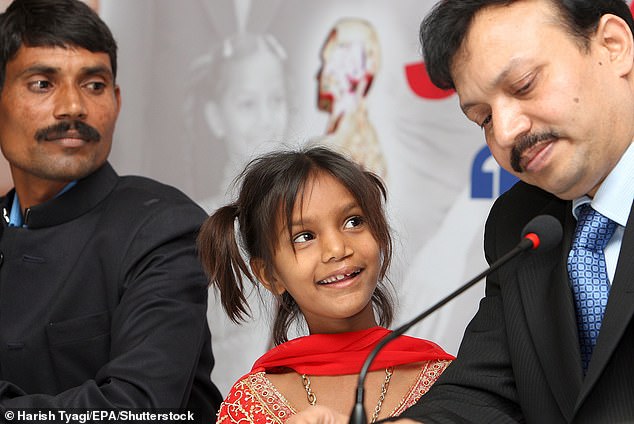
x,y
258,268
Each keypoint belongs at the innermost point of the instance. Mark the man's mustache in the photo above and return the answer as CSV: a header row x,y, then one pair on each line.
x,y
61,130
524,143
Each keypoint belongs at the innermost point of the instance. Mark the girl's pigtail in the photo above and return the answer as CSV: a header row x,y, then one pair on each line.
x,y
223,262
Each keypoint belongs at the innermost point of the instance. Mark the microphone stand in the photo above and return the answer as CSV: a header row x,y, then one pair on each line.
x,y
358,411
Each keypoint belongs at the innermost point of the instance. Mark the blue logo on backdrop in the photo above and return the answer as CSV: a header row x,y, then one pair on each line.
x,y
488,179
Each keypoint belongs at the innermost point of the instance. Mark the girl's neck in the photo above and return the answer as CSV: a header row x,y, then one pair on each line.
x,y
362,321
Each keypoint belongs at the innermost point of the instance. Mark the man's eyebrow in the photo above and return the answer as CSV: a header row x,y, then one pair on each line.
x,y
97,70
50,70
39,69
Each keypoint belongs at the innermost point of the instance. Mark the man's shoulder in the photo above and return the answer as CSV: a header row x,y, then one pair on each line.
x,y
137,200
525,200
143,192
519,205
523,195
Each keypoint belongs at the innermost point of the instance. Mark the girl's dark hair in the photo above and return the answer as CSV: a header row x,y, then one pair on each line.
x,y
270,185
48,23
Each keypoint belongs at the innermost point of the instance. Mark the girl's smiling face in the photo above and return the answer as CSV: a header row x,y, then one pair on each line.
x,y
330,262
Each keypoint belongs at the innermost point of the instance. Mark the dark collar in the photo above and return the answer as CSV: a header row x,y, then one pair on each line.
x,y
84,196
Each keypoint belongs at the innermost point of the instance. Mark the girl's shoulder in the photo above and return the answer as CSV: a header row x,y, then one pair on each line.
x,y
427,374
254,399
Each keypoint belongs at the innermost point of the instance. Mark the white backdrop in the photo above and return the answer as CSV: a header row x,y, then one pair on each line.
x,y
440,177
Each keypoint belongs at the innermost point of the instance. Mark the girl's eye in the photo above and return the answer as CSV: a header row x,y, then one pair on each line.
x,y
303,238
353,222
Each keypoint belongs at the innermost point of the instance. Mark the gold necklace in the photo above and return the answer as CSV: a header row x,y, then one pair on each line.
x,y
312,398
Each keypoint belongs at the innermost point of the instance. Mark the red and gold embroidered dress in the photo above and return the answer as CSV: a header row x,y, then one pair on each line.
x,y
254,399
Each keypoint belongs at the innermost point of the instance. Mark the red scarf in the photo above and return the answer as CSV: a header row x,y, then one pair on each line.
x,y
344,353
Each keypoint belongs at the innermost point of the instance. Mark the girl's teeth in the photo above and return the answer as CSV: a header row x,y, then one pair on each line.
x,y
336,278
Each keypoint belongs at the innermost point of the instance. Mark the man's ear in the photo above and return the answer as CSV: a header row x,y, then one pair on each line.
x,y
270,283
614,34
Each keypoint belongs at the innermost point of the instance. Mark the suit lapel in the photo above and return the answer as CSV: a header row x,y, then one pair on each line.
x,y
550,313
619,311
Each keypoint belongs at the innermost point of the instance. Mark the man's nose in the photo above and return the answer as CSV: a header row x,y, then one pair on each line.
x,y
70,103
509,121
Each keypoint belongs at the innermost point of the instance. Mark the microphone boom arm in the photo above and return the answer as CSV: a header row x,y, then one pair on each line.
x,y
358,412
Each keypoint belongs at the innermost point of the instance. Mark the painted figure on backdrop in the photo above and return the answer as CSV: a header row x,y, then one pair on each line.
x,y
103,299
313,228
237,107
350,60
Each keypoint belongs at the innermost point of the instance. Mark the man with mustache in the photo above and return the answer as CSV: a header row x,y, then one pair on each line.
x,y
102,299
551,83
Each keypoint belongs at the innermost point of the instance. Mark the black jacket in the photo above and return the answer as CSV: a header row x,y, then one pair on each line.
x,y
519,359
103,301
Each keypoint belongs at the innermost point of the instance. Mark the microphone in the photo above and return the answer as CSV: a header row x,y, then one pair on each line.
x,y
541,234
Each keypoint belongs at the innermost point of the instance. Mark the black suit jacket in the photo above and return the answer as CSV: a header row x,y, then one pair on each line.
x,y
103,301
519,360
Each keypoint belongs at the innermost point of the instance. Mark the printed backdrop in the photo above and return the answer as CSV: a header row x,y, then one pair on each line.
x,y
208,83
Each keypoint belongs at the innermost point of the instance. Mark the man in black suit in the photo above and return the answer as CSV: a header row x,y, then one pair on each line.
x,y
102,299
551,83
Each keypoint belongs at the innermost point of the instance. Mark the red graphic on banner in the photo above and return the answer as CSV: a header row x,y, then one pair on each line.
x,y
421,85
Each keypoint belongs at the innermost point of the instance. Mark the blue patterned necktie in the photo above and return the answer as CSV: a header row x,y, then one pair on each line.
x,y
589,276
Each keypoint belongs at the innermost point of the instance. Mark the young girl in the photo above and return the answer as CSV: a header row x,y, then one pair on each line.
x,y
313,226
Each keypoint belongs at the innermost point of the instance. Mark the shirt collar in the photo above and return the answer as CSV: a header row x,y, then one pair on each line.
x,y
614,197
15,216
